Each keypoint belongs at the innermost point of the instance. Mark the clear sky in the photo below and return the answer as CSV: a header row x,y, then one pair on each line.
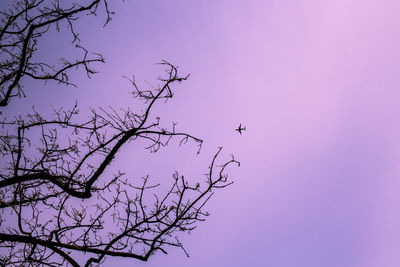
x,y
317,85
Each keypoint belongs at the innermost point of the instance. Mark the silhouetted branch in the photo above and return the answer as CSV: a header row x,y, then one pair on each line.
x,y
106,132
23,24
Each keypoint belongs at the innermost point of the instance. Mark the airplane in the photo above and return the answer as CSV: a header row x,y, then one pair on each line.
x,y
240,129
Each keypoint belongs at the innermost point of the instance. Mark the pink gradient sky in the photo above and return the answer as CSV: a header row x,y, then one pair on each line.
x,y
317,85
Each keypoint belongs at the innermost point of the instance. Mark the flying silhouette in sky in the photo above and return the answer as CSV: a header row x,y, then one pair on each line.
x,y
240,129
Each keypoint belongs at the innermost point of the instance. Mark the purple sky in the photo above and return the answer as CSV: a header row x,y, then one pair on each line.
x,y
317,85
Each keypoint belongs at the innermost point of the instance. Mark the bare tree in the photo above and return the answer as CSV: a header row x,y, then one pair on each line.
x,y
60,202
